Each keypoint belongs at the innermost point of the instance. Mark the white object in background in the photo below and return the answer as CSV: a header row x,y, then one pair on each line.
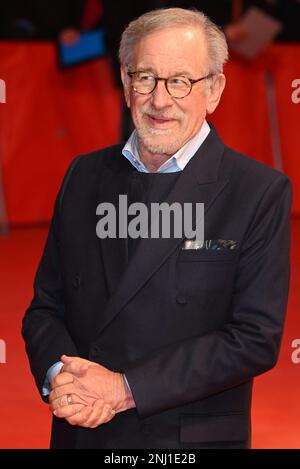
x,y
260,29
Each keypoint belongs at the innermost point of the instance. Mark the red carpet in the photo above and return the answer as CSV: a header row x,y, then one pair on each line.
x,y
25,419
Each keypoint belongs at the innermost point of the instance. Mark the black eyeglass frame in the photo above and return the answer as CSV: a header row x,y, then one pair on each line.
x,y
157,79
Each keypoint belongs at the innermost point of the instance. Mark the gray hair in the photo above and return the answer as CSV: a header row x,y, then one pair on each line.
x,y
165,18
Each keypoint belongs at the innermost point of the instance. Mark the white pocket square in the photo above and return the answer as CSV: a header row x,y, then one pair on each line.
x,y
213,244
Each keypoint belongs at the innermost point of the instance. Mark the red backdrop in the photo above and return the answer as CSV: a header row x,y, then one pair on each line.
x,y
51,116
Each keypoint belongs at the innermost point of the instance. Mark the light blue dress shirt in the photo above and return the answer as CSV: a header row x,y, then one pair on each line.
x,y
175,163
51,373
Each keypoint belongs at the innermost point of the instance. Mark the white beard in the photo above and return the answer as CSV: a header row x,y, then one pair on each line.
x,y
153,140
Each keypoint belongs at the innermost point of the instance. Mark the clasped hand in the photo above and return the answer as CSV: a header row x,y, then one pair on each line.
x,y
88,394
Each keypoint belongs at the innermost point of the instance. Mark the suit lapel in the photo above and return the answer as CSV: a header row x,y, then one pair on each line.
x,y
197,183
113,181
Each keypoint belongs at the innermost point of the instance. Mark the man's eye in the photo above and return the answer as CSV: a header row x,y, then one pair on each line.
x,y
177,81
146,78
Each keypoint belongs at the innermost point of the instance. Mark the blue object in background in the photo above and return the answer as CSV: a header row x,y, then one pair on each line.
x,y
89,46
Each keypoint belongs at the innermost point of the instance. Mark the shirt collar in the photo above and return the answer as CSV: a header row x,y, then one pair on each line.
x,y
175,163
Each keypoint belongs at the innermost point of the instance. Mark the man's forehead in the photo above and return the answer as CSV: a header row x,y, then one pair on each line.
x,y
173,37
179,48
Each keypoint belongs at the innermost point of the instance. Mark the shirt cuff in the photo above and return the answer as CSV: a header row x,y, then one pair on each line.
x,y
126,382
51,373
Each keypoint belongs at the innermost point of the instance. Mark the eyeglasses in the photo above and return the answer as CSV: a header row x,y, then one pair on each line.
x,y
177,86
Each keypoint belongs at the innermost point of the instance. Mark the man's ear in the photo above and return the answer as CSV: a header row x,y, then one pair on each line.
x,y
215,90
125,81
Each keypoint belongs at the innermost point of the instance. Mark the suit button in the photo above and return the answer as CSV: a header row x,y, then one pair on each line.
x,y
76,282
181,299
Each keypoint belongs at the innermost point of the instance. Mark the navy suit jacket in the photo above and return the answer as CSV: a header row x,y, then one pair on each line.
x,y
190,328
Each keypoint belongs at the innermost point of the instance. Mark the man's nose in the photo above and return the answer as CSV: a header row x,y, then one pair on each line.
x,y
160,96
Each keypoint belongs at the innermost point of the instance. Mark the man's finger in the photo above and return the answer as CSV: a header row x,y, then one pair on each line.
x,y
81,417
94,419
63,401
61,379
102,414
60,391
67,358
76,367
68,410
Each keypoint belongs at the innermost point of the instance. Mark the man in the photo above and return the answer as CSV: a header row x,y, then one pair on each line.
x,y
154,342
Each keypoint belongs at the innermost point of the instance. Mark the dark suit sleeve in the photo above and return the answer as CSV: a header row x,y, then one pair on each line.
x,y
44,331
249,342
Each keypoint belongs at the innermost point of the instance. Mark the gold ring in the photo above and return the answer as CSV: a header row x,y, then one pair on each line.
x,y
69,399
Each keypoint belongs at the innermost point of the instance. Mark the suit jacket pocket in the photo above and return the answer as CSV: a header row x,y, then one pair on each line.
x,y
207,255
231,427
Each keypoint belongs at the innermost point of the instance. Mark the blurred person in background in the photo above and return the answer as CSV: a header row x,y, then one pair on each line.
x,y
47,19
38,20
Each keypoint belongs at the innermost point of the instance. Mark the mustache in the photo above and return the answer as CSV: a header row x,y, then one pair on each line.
x,y
162,114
